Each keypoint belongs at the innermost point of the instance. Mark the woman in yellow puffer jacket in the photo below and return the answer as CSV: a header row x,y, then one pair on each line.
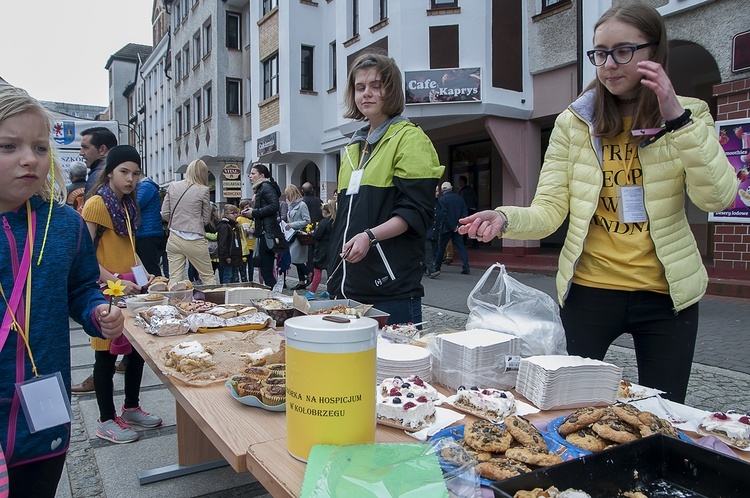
x,y
619,162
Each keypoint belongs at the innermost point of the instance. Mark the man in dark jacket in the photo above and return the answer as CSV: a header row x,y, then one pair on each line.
x,y
452,209
95,145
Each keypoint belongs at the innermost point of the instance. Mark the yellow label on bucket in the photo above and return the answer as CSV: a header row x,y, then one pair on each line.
x,y
330,399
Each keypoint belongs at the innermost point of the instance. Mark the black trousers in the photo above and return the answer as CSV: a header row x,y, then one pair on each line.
x,y
664,340
267,259
149,249
37,479
104,371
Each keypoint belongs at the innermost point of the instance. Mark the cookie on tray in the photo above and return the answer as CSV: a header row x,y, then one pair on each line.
x,y
627,413
588,440
479,456
651,424
483,435
497,469
611,427
580,418
524,432
533,456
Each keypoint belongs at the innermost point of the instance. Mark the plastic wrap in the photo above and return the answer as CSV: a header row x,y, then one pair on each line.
x,y
517,309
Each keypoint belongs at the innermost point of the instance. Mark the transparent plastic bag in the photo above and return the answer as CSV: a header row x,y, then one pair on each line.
x,y
514,308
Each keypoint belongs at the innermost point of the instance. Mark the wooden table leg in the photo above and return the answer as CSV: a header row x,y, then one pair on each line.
x,y
193,447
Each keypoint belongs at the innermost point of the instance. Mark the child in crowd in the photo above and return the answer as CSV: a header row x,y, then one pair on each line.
x,y
48,272
112,216
248,243
230,247
322,236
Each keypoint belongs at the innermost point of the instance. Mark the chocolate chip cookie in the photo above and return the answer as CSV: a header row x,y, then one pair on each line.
x,y
651,424
497,469
587,439
580,418
611,427
627,413
524,432
483,435
533,456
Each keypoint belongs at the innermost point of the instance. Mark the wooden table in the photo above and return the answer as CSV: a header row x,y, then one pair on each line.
x,y
213,429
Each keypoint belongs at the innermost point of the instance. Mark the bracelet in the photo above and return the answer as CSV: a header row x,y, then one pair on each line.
x,y
679,121
373,240
505,222
117,275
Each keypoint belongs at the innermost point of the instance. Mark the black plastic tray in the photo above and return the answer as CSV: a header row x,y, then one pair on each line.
x,y
659,466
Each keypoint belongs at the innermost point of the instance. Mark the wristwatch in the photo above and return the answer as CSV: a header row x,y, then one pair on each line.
x,y
373,240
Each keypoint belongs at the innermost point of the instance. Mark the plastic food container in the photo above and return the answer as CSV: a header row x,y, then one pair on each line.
x,y
175,297
133,303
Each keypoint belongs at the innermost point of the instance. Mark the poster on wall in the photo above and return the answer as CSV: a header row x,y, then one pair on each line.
x,y
734,137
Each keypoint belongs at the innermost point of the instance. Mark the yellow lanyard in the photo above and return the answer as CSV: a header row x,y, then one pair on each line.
x,y
130,233
24,331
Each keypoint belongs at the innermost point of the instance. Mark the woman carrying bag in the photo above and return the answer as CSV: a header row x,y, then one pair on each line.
x,y
297,219
263,213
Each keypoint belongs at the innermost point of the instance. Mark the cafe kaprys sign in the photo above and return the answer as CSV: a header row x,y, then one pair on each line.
x,y
443,85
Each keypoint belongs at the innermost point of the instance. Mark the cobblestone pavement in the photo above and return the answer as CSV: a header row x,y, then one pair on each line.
x,y
94,468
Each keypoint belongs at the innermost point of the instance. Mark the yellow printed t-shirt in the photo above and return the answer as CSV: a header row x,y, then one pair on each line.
x,y
617,255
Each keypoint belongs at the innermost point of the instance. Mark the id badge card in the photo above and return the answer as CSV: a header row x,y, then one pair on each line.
x,y
45,402
140,275
354,182
631,208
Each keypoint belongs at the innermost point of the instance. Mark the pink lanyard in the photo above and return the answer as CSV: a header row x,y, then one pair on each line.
x,y
21,275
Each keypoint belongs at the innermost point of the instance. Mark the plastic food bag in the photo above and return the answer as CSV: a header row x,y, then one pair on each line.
x,y
519,310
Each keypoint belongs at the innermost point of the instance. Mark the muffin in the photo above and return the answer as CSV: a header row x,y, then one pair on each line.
x,y
250,387
277,369
259,373
275,381
236,379
273,395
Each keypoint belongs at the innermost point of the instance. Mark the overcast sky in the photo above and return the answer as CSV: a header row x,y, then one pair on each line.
x,y
57,50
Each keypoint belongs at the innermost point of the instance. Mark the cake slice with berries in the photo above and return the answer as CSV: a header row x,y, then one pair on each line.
x,y
732,427
411,414
412,387
491,404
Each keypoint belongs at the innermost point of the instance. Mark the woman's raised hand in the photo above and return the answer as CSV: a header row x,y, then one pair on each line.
x,y
656,80
483,226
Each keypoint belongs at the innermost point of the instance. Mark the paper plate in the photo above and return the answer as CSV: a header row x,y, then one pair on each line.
x,y
253,401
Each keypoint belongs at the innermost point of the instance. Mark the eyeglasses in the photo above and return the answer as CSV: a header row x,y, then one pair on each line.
x,y
621,55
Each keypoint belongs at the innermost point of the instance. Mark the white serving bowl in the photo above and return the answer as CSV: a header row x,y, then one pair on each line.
x,y
175,297
133,303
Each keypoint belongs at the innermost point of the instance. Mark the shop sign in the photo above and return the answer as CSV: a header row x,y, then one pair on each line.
x,y
734,137
231,184
741,52
231,171
437,86
232,194
268,144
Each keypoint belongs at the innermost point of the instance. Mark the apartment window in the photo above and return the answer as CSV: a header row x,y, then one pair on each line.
x,y
186,60
207,38
552,4
443,46
196,48
383,8
269,5
355,18
234,33
185,7
234,96
177,15
271,76
207,101
195,2
178,122
444,4
186,111
307,68
198,107
178,66
332,64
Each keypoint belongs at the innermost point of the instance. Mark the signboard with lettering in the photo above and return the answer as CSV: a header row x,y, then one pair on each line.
x,y
231,184
268,144
231,171
232,194
443,85
734,137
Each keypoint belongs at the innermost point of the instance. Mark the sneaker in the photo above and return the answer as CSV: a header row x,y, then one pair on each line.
x,y
136,416
325,295
116,431
465,272
310,296
435,274
86,386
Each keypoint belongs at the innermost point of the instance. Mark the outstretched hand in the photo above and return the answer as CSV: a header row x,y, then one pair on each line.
x,y
483,226
656,80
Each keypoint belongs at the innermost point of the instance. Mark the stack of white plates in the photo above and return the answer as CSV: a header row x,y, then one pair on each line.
x,y
403,360
556,382
476,357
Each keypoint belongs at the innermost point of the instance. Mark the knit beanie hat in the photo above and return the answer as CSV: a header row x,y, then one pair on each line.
x,y
121,154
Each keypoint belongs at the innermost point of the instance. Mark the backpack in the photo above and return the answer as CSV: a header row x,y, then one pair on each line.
x,y
76,199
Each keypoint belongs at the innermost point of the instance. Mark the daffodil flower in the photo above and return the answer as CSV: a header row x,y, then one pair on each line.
x,y
113,290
